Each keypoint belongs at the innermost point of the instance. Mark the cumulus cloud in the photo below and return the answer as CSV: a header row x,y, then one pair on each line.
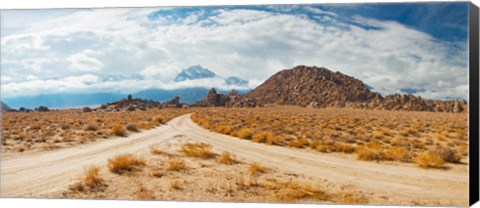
x,y
31,77
83,62
5,79
91,83
248,43
161,71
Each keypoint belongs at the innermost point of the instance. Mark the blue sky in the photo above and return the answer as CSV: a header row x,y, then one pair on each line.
x,y
393,47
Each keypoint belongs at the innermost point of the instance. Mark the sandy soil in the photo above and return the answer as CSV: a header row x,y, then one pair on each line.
x,y
210,180
48,174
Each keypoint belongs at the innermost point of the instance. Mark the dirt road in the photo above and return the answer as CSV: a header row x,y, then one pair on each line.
x,y
40,174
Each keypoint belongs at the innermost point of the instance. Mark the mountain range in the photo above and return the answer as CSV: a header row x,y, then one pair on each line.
x,y
72,100
313,87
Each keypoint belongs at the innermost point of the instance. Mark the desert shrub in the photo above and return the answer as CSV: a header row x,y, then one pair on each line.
x,y
378,135
314,144
36,126
176,165
404,133
300,142
200,150
430,159
91,127
90,181
448,154
366,153
157,172
255,168
260,136
398,153
335,147
273,139
82,139
119,130
124,163
349,198
440,137
294,191
224,129
158,119
227,158
132,127
92,177
245,133
266,137
345,148
50,145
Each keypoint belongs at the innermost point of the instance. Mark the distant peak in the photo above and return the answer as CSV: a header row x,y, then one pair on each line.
x,y
235,81
194,72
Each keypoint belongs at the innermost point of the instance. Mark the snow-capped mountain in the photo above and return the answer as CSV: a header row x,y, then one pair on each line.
x,y
198,72
191,84
194,72
235,81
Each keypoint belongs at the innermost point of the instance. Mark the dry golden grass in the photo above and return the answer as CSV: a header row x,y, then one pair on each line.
x,y
348,198
430,159
30,131
294,191
210,180
227,158
90,181
157,172
300,142
119,130
176,165
245,133
336,147
398,153
200,150
266,137
256,168
448,154
133,128
123,163
158,119
224,129
399,135
91,127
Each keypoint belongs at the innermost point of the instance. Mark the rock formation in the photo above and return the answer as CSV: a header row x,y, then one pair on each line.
x,y
316,87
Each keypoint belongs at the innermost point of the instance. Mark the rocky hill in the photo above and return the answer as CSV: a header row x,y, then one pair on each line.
x,y
319,88
131,104
311,86
215,99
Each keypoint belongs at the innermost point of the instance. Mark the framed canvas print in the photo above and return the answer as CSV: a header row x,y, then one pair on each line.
x,y
346,103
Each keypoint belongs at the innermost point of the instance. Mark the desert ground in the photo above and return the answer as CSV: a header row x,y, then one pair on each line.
x,y
276,154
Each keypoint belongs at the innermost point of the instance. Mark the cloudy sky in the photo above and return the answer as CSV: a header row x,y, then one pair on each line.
x,y
417,48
